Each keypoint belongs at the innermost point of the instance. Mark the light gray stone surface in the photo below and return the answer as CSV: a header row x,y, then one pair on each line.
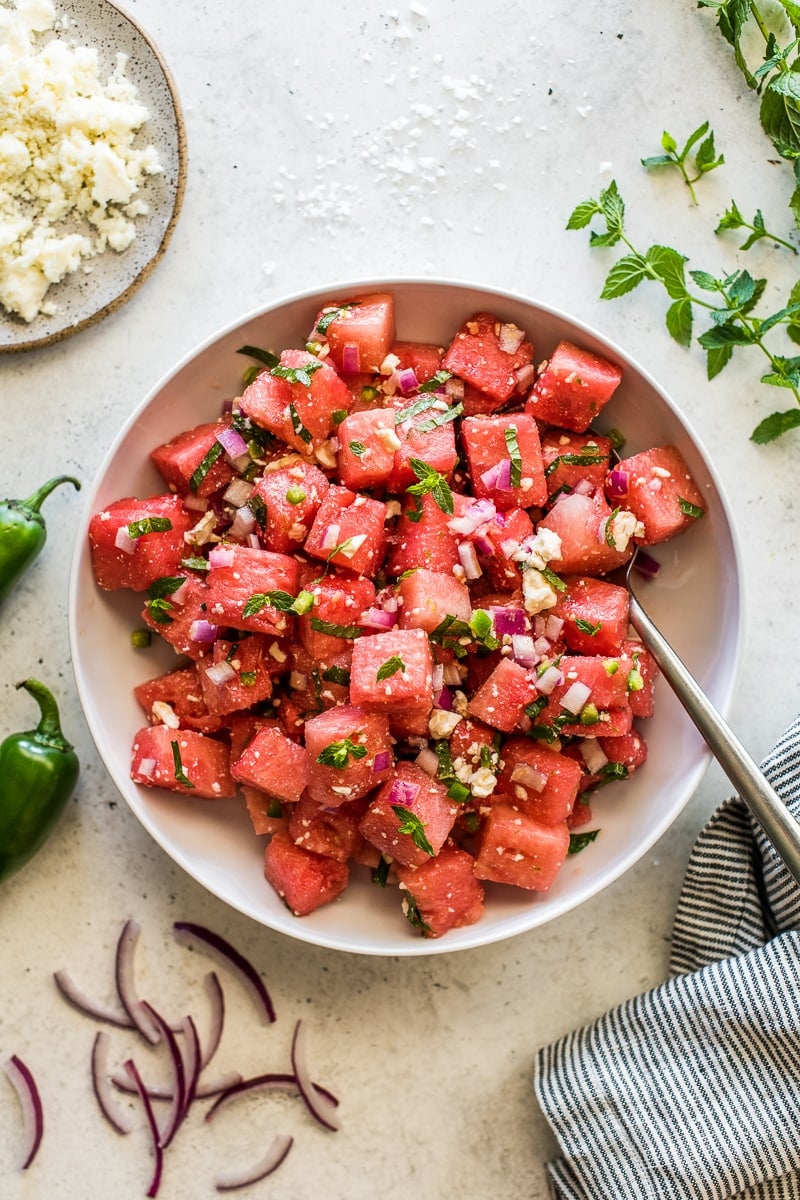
x,y
329,142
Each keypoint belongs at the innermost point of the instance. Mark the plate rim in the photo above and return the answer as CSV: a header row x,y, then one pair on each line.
x,y
60,335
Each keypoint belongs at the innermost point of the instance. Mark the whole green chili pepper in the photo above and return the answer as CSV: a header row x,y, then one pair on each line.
x,y
38,773
23,532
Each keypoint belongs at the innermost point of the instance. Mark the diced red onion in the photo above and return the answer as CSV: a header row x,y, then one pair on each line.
x,y
483,545
584,488
438,676
509,620
451,674
378,618
158,1152
146,767
552,627
498,476
382,761
428,761
509,547
404,792
203,631
407,378
524,376
221,556
253,541
118,1118
351,358
316,1103
592,754
123,541
220,673
237,493
549,680
529,777
510,337
243,523
330,537
445,700
187,931
542,646
276,1152
644,564
194,502
477,513
617,483
21,1079
575,697
125,981
79,999
523,650
468,558
232,442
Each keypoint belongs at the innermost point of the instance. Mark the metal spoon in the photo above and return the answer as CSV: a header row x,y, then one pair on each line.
x,y
748,779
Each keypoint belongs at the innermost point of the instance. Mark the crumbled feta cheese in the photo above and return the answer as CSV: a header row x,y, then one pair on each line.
x,y
69,169
442,723
621,528
537,592
539,550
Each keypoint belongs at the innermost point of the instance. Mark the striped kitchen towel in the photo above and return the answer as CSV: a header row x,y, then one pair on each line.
x,y
692,1090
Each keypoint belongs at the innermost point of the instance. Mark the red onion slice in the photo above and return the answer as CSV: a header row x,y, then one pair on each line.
x,y
78,999
275,1154
617,483
116,1117
232,442
269,1082
216,998
185,931
158,1153
378,618
21,1079
177,1109
317,1104
192,1063
125,980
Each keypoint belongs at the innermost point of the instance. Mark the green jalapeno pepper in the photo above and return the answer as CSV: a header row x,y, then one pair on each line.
x,y
38,773
23,532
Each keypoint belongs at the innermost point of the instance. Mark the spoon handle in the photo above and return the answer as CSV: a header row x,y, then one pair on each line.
x,y
749,781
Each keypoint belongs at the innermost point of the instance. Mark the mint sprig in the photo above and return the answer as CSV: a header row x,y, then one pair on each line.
x,y
700,160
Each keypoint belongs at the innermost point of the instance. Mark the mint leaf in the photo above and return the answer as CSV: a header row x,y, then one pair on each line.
x,y
390,667
337,753
624,276
411,824
774,426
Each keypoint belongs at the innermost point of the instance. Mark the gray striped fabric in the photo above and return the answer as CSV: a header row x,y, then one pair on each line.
x,y
693,1089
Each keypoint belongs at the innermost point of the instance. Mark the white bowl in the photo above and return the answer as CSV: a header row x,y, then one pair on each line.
x,y
696,599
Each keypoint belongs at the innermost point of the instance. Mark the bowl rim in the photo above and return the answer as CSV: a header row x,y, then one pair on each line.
x,y
476,935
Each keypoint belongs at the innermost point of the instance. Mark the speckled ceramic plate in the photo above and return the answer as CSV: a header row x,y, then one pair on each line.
x,y
85,297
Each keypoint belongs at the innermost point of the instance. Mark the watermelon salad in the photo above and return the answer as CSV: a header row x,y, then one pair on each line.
x,y
386,568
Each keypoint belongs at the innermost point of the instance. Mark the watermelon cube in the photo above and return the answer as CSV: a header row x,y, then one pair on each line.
x,y
423,358
392,670
349,531
176,623
490,354
330,831
516,849
572,388
182,760
266,814
274,764
543,783
442,893
629,750
571,458
423,538
589,543
501,537
177,696
499,701
236,675
505,460
291,496
359,332
428,436
642,674
339,601
238,576
125,554
427,597
433,816
367,447
302,879
595,615
657,488
350,753
297,412
179,458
